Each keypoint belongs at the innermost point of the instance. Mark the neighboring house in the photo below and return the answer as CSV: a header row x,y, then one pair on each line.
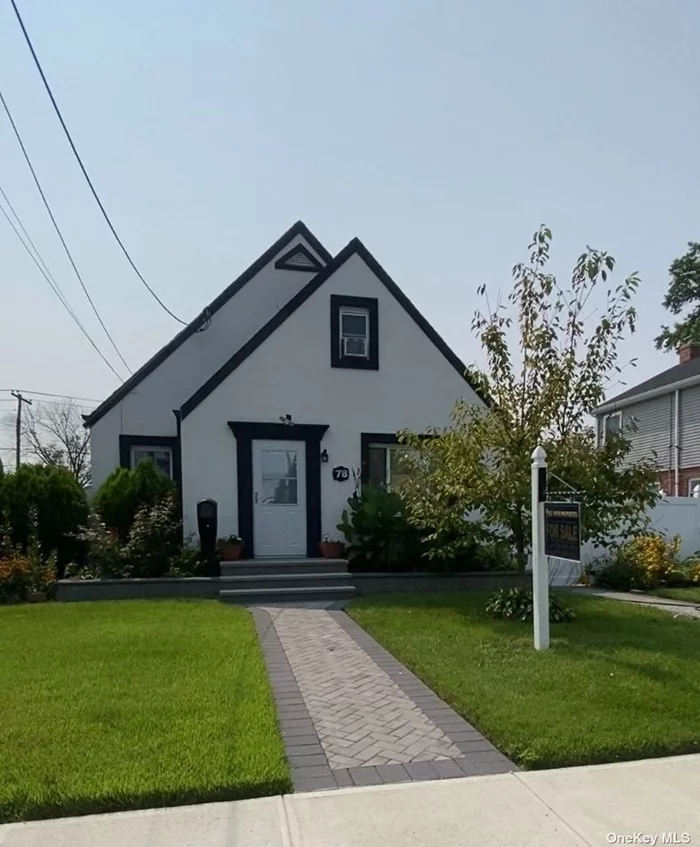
x,y
661,417
294,381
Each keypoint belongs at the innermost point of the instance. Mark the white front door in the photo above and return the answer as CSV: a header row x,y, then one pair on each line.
x,y
279,498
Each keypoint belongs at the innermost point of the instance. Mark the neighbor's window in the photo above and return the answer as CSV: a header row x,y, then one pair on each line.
x,y
613,424
354,333
691,485
162,458
390,465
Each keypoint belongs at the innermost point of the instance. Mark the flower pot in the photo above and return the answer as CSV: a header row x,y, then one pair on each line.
x,y
36,596
331,549
231,552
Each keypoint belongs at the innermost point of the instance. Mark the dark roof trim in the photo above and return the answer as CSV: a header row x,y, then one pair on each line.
x,y
299,229
680,375
309,263
354,247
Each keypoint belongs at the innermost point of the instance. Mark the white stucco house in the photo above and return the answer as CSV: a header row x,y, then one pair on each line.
x,y
292,381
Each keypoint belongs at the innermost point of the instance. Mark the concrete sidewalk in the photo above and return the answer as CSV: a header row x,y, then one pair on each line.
x,y
572,806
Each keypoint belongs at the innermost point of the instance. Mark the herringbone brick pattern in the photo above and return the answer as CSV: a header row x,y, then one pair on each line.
x,y
362,718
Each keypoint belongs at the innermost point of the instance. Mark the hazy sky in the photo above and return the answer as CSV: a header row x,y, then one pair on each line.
x,y
440,133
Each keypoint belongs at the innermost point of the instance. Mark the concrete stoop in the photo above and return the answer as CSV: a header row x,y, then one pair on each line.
x,y
290,581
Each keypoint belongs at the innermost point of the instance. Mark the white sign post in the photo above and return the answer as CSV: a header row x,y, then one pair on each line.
x,y
540,570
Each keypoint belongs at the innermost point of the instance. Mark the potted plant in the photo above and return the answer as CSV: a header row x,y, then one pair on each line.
x,y
331,549
230,548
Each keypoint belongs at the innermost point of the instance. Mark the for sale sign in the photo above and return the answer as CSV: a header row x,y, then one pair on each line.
x,y
562,531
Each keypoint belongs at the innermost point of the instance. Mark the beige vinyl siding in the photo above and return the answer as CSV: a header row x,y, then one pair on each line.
x,y
690,427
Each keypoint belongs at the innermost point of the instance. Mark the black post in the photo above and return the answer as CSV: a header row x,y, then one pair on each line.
x,y
207,522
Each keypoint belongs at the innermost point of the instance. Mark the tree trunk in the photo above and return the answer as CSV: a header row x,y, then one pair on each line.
x,y
520,545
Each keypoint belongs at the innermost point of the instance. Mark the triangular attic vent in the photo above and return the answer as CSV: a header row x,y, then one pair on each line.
x,y
299,258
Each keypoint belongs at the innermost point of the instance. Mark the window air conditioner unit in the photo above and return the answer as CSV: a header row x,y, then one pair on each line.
x,y
354,346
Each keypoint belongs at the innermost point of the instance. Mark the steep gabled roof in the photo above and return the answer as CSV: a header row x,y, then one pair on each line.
x,y
354,247
299,229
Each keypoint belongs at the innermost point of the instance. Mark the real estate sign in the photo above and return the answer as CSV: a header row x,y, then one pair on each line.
x,y
562,531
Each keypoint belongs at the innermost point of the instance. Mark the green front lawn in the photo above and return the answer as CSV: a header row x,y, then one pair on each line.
x,y
122,705
691,595
619,682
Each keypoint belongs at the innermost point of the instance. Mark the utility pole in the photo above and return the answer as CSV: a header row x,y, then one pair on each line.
x,y
20,399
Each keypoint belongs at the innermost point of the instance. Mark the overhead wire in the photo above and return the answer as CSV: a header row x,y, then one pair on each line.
x,y
58,230
50,394
83,168
57,290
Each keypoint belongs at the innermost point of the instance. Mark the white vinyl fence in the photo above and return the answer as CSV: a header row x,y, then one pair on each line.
x,y
671,516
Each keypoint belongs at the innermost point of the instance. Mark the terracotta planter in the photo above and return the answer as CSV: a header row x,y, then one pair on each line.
x,y
331,549
231,552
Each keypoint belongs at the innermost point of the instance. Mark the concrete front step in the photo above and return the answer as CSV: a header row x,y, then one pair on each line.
x,y
285,580
264,567
271,596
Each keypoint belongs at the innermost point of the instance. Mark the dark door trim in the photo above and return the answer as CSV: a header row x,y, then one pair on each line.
x,y
247,431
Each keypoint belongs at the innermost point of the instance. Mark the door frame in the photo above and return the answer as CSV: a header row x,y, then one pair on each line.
x,y
245,433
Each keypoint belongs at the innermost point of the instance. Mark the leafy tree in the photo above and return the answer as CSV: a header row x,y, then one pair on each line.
x,y
51,501
125,491
481,464
683,292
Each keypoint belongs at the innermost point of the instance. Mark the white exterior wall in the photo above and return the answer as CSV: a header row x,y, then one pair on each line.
x,y
290,373
148,409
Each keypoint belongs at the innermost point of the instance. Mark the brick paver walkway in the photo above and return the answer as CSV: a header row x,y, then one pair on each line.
x,y
350,714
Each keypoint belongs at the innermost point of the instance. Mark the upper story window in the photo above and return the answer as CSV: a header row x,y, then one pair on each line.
x,y
612,424
354,332
354,328
162,458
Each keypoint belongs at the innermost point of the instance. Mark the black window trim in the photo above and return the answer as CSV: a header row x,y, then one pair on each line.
x,y
371,306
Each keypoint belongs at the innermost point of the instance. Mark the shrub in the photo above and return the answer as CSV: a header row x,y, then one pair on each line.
x,y
125,491
517,604
15,578
60,507
187,561
656,555
155,539
622,575
103,559
377,532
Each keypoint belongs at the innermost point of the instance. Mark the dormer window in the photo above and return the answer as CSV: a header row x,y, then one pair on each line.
x,y
354,327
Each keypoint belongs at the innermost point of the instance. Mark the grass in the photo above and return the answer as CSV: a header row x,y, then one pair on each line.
x,y
124,705
692,595
619,682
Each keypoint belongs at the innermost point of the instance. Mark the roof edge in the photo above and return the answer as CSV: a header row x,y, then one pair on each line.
x,y
613,405
297,229
355,246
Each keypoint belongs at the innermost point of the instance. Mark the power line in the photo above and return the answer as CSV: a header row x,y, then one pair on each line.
x,y
21,226
57,291
82,166
50,394
58,230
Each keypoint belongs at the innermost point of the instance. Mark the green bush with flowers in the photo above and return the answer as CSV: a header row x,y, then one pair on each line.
x,y
650,561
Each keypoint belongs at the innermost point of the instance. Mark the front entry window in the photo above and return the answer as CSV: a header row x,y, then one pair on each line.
x,y
279,477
